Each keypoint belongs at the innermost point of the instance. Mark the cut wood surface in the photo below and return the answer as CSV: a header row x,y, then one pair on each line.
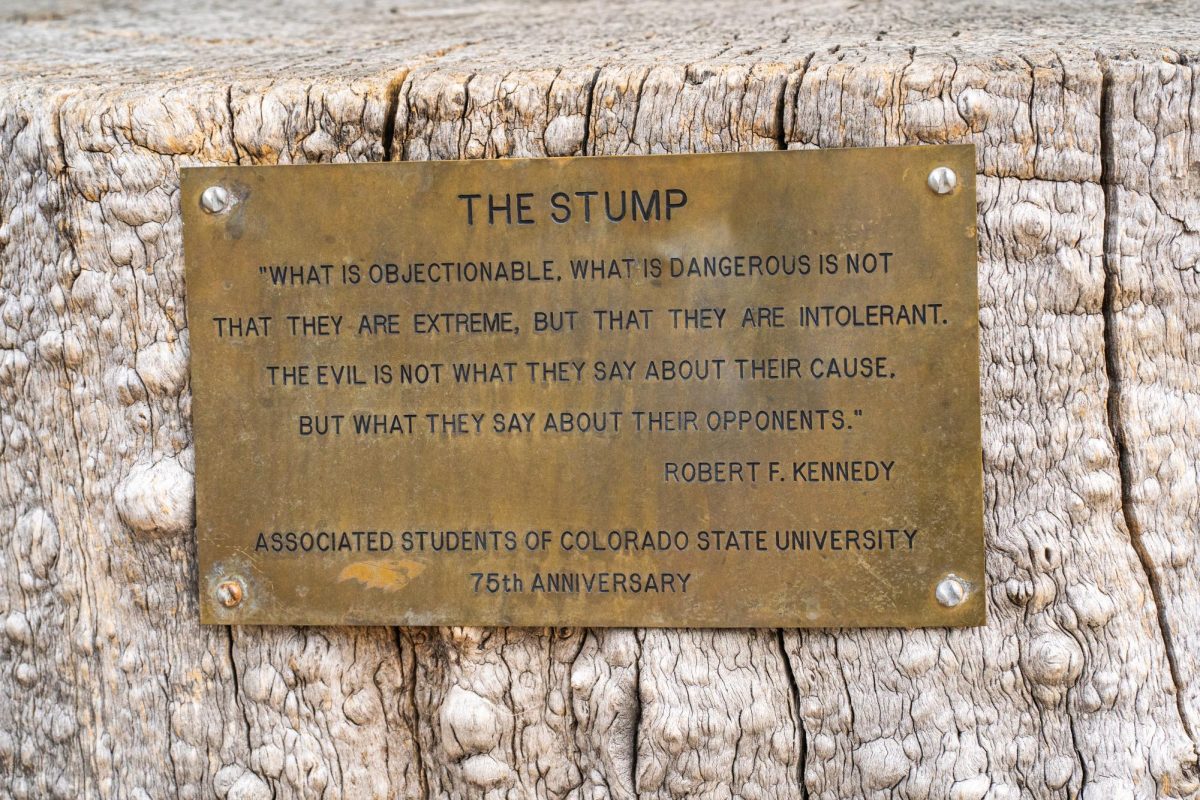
x,y
1085,681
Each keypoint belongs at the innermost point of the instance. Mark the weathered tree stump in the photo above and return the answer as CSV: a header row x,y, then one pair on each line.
x,y
1085,682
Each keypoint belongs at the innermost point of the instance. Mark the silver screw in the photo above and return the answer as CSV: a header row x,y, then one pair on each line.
x,y
951,591
230,592
216,200
943,180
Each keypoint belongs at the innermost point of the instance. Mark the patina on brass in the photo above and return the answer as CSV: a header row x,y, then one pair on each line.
x,y
307,272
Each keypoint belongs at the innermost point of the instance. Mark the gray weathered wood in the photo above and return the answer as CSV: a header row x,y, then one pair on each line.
x,y
1085,683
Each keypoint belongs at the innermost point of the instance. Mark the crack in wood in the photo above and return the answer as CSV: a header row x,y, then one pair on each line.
x,y
1113,370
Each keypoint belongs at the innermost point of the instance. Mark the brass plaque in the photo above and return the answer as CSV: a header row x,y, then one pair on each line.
x,y
715,390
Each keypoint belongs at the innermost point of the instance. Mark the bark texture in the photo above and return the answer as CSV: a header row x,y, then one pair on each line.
x,y
1086,680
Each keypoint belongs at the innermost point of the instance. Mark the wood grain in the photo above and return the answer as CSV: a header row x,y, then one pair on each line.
x,y
1085,681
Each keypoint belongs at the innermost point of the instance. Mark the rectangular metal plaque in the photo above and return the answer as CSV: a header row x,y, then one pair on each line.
x,y
703,390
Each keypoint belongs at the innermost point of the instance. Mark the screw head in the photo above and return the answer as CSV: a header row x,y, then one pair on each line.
x,y
216,200
951,591
943,180
230,592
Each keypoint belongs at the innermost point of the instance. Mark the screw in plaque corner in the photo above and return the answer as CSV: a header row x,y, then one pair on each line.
x,y
230,592
942,180
216,200
951,591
